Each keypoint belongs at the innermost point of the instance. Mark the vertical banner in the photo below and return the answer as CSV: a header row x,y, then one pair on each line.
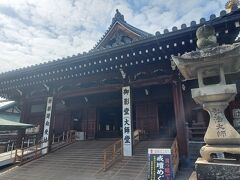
x,y
47,124
127,121
160,165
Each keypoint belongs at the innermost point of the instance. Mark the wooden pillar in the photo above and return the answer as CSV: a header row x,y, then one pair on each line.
x,y
181,129
24,112
84,122
23,119
91,122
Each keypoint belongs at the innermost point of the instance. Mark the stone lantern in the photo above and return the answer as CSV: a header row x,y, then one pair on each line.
x,y
212,60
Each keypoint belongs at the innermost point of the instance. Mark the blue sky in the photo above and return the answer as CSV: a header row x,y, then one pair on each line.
x,y
34,31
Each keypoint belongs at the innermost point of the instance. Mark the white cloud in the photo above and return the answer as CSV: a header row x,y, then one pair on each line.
x,y
33,31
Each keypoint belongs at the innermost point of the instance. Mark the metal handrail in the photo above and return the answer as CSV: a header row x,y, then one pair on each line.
x,y
65,136
26,142
65,139
60,138
10,146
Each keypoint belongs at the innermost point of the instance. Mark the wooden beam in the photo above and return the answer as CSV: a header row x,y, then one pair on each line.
x,y
116,87
89,91
160,80
23,119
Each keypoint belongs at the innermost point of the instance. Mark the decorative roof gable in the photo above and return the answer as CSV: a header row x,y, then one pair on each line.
x,y
119,33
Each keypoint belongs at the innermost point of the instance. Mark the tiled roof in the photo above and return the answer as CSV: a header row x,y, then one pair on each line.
x,y
175,31
6,105
6,125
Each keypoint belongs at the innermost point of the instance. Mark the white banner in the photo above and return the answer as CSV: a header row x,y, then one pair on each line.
x,y
159,151
47,124
127,121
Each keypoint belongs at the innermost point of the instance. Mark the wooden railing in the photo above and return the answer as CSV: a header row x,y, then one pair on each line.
x,y
30,153
26,154
111,154
115,151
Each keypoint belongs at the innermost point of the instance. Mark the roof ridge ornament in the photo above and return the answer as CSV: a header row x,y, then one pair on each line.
x,y
232,5
118,17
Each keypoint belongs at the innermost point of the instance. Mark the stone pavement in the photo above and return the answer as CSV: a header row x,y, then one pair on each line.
x,y
19,173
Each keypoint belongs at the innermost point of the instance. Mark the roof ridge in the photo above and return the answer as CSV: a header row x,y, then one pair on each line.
x,y
119,18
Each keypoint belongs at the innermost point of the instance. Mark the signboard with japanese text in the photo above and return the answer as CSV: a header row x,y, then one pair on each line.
x,y
127,121
47,124
160,165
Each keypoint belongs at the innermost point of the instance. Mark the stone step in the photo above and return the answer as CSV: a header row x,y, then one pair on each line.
x,y
134,167
85,159
81,159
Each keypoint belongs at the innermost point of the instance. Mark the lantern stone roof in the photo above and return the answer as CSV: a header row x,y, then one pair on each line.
x,y
120,33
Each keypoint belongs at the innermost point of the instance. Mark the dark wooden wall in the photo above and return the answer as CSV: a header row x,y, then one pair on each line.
x,y
147,117
61,122
91,123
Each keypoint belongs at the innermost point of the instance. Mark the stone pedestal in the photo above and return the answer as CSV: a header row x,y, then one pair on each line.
x,y
209,151
219,171
220,136
215,99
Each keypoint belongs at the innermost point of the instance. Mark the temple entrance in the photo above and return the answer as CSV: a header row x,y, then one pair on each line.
x,y
167,125
109,122
76,118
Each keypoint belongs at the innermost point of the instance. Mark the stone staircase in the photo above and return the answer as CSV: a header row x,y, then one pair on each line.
x,y
135,167
81,160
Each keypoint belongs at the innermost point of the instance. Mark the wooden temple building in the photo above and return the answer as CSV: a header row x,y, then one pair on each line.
x,y
86,89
